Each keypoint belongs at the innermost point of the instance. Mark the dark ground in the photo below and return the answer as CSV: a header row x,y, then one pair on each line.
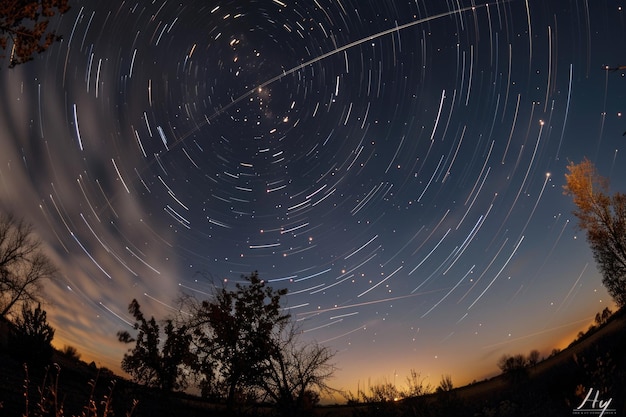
x,y
556,386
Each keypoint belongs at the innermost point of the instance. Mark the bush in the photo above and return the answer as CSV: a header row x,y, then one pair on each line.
x,y
31,336
71,353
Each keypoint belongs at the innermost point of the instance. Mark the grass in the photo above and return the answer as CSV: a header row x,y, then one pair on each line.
x,y
45,398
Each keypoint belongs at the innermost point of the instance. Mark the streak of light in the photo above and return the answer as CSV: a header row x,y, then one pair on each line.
x,y
437,270
296,306
523,184
79,17
530,38
194,290
80,185
40,112
474,199
45,214
493,259
371,288
165,305
366,303
289,278
322,326
508,81
395,155
141,260
471,75
431,252
363,246
190,158
545,105
332,285
508,144
449,292
432,232
308,197
282,232
264,246
119,175
343,334
331,192
419,199
344,315
177,216
78,137
480,174
550,330
395,29
106,247
89,255
443,98
306,289
569,293
143,151
456,152
498,274
472,234
403,247
132,64
569,98
218,223
532,212
613,163
115,314
313,276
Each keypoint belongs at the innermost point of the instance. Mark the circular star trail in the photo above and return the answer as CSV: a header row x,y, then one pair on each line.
x,y
397,166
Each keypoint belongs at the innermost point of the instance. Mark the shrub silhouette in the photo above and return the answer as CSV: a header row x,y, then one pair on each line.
x,y
31,336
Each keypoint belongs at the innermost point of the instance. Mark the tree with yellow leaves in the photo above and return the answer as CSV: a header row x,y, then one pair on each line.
x,y
24,27
603,217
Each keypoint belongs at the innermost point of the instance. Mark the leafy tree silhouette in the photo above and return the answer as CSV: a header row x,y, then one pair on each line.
x,y
24,27
31,336
235,334
603,217
148,362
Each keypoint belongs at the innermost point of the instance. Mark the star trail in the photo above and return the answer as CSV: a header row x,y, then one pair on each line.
x,y
396,165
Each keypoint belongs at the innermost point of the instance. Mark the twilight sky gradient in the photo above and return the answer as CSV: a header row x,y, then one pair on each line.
x,y
397,165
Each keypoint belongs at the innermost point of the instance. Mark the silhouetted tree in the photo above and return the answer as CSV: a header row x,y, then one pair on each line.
x,y
235,335
295,374
23,265
24,27
416,385
603,217
603,317
150,362
448,402
30,339
384,392
446,384
71,352
514,366
533,357
511,363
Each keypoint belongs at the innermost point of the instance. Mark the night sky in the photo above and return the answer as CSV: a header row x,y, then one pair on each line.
x,y
396,165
